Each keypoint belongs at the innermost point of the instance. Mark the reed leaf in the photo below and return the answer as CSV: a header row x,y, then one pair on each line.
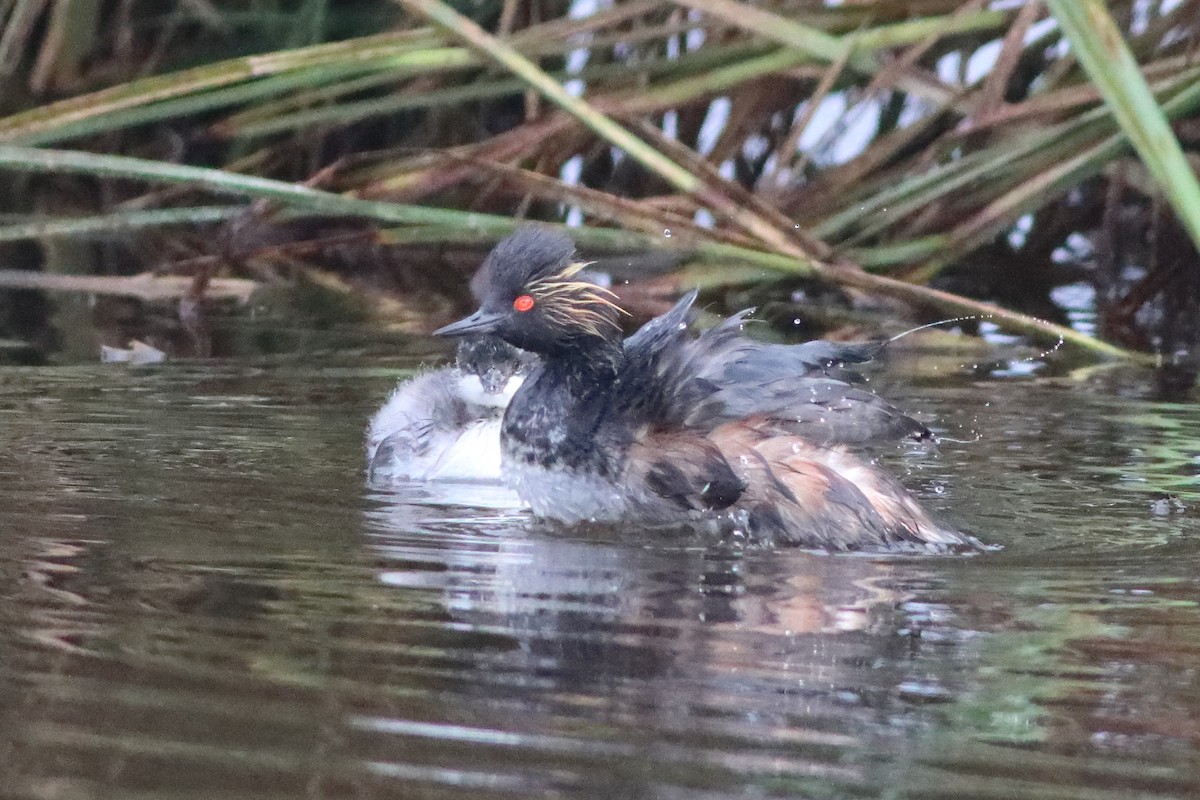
x,y
1098,44
350,54
117,223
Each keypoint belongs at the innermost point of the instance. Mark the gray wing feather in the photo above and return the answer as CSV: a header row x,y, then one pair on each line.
x,y
722,376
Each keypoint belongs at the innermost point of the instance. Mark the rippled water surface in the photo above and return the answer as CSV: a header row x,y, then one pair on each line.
x,y
201,599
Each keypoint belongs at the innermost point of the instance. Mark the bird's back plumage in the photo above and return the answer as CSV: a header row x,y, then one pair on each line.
x,y
722,376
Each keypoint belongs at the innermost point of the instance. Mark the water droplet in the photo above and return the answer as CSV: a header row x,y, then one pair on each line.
x,y
667,232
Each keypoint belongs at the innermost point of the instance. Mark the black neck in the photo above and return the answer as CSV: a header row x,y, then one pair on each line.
x,y
587,363
556,418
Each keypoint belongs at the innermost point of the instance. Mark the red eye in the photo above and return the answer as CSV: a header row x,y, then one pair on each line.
x,y
523,303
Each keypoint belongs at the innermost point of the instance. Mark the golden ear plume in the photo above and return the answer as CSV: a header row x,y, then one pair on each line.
x,y
573,304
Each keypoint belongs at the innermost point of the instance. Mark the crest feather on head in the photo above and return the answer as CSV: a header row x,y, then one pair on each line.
x,y
529,254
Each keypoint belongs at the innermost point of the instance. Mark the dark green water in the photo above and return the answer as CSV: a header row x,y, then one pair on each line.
x,y
201,600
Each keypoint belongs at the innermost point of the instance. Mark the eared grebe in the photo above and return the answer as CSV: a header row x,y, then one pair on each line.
x,y
445,424
667,429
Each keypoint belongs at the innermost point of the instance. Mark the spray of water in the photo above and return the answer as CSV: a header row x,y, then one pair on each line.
x,y
969,318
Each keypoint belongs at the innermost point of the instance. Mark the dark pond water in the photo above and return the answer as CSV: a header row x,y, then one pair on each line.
x,y
200,599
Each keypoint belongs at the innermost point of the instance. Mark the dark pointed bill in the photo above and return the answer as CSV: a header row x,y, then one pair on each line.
x,y
479,322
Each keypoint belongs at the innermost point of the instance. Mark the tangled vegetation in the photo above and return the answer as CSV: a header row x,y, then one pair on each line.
x,y
952,153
